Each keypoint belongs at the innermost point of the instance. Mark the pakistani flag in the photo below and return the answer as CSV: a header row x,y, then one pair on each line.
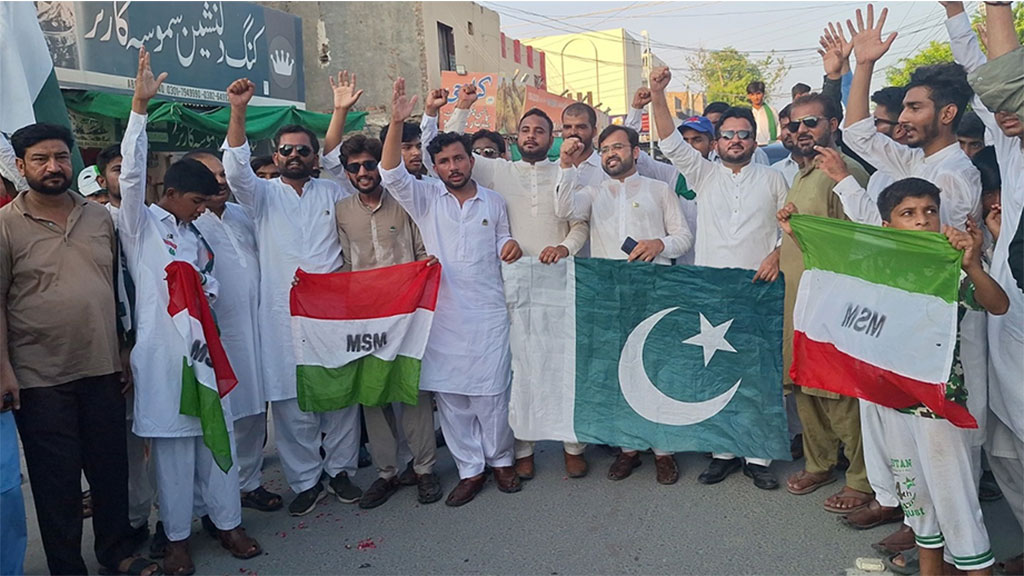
x,y
359,336
876,314
679,358
206,373
28,84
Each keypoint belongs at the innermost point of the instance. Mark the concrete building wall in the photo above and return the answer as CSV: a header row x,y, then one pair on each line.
x,y
477,34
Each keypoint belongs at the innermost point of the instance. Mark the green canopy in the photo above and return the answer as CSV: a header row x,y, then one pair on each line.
x,y
180,127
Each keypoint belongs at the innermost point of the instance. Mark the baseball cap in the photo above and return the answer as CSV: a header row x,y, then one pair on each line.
x,y
698,123
87,184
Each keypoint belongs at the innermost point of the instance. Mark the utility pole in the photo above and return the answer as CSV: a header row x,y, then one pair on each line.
x,y
648,65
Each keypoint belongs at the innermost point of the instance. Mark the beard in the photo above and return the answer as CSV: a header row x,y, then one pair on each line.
x,y
294,171
49,188
920,137
737,156
801,149
536,155
366,185
454,184
624,166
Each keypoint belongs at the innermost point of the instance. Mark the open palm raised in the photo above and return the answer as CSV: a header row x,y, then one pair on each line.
x,y
147,85
401,105
867,41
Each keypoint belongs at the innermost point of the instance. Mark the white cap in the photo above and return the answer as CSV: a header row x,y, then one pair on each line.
x,y
87,184
8,165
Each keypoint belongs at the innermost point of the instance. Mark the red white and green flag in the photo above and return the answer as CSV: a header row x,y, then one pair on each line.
x,y
876,314
359,336
206,373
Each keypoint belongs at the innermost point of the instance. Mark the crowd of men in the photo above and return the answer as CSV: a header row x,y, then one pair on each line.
x,y
91,361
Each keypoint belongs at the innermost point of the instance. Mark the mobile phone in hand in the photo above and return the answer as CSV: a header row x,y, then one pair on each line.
x,y
629,245
8,402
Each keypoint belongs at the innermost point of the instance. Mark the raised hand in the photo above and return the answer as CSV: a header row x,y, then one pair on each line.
x,y
660,77
435,100
345,93
835,52
570,148
146,85
401,105
831,163
467,96
641,98
240,92
867,41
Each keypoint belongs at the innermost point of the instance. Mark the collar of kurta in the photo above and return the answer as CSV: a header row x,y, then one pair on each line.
x,y
383,199
163,214
476,196
594,159
22,204
632,180
943,154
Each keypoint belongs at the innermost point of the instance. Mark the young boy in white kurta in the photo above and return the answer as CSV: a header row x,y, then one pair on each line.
x,y
152,238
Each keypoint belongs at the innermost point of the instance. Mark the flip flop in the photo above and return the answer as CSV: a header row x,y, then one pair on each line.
x,y
136,568
847,492
805,475
911,564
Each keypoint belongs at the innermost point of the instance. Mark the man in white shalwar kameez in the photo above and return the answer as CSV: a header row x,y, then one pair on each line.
x,y
153,237
231,233
467,360
294,219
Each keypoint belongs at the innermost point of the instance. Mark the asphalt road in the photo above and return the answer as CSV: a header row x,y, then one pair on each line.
x,y
557,526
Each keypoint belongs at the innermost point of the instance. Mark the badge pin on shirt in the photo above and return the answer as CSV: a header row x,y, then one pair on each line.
x,y
636,204
484,222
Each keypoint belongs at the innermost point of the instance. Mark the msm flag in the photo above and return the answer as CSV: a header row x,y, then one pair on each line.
x,y
876,314
678,358
359,336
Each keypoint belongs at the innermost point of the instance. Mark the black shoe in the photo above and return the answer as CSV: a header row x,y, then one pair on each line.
x,y
796,447
156,547
343,489
989,490
306,501
762,476
364,457
429,488
379,492
137,537
408,476
719,470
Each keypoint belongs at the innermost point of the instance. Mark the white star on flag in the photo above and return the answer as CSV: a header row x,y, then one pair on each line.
x,y
711,338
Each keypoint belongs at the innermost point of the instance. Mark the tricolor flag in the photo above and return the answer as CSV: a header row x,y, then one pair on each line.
x,y
206,374
876,314
29,91
359,336
679,358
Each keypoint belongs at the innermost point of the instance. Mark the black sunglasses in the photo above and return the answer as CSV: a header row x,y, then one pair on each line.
x,y
287,149
354,167
742,134
809,121
488,152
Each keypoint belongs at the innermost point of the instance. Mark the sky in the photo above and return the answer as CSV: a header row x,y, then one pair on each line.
x,y
677,29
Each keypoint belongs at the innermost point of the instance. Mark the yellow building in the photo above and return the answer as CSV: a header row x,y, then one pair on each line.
x,y
605,65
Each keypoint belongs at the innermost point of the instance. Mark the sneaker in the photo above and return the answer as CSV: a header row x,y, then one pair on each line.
x,y
379,492
306,501
343,489
429,488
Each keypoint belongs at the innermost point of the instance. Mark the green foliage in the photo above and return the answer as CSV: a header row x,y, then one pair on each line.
x,y
939,52
725,73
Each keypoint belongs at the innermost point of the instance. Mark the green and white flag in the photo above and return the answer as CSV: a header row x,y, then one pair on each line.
x,y
679,358
29,92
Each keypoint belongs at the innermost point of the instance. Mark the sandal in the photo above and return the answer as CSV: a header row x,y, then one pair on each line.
x,y
910,566
239,544
262,499
178,560
804,482
832,502
137,567
898,541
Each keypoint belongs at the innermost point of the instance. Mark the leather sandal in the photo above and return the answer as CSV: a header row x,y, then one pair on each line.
x,y
804,482
177,559
239,544
832,502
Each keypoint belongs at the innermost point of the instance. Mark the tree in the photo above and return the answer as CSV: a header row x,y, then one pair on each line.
x,y
939,52
725,73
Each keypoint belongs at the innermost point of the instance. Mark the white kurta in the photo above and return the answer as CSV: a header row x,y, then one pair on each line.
x,y
788,168
468,349
1006,332
639,208
232,237
736,213
292,232
151,239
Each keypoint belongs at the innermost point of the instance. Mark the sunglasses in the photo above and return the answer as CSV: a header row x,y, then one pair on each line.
x,y
809,121
741,134
488,152
354,167
287,149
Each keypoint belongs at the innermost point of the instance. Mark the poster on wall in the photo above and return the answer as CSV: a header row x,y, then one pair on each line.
x,y
203,46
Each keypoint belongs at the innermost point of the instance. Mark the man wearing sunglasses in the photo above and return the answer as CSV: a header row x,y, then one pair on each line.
x,y
528,187
295,228
736,226
827,418
489,144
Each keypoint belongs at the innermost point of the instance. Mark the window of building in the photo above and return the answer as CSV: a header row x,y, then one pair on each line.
x,y
446,45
